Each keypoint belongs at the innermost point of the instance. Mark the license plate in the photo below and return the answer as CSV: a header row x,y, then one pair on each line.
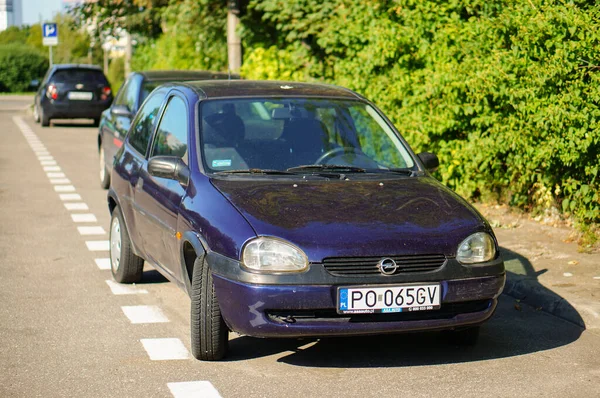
x,y
80,96
388,299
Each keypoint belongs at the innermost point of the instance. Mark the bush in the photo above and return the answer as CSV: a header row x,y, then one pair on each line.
x,y
116,73
19,65
507,93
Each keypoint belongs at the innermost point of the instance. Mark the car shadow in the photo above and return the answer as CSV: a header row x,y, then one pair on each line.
x,y
523,284
75,123
510,332
151,276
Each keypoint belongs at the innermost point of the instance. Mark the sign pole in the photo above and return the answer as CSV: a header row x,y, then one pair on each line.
x,y
50,54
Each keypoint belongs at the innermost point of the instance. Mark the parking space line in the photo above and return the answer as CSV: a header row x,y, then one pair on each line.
x,y
60,181
98,245
144,314
76,206
64,188
86,217
91,230
69,196
165,349
118,289
193,389
102,263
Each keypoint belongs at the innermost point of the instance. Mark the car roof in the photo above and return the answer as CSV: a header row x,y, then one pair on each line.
x,y
76,66
267,88
158,75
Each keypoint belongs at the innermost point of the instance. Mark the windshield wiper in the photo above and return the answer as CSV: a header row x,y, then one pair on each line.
x,y
328,167
254,171
408,172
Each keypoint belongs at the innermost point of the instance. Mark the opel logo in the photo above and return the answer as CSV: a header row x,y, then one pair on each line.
x,y
79,86
387,266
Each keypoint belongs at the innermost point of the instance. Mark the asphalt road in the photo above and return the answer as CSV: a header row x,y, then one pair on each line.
x,y
65,333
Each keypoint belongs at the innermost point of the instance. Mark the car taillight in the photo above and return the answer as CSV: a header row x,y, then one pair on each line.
x,y
105,93
52,92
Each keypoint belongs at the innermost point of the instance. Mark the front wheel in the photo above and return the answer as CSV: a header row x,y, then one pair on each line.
x,y
104,174
210,336
125,266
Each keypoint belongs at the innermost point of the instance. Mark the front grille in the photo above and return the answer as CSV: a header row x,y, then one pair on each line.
x,y
359,266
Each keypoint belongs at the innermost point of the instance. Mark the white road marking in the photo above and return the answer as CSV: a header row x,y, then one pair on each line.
x,y
48,162
76,206
51,168
98,245
55,175
103,263
42,153
60,181
64,188
91,230
119,289
193,389
44,157
165,349
567,274
70,196
144,314
86,217
597,277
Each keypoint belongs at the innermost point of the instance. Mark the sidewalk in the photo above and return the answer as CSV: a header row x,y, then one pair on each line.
x,y
545,269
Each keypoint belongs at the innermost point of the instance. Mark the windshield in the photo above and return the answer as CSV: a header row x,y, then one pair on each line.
x,y
284,134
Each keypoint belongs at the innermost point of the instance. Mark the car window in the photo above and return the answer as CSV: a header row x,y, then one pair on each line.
x,y
78,76
120,99
139,135
171,136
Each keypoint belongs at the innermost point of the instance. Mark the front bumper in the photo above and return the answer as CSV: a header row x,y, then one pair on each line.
x,y
273,310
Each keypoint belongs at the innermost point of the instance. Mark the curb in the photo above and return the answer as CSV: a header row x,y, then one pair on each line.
x,y
530,291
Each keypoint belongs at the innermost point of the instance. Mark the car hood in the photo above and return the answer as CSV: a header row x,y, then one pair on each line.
x,y
404,216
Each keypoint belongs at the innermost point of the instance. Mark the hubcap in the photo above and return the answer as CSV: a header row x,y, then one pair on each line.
x,y
102,165
115,244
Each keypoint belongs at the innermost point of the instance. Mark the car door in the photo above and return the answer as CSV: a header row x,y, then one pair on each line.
x,y
160,198
130,164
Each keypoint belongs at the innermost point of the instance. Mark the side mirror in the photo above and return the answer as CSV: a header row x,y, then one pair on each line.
x,y
171,167
121,110
35,83
429,160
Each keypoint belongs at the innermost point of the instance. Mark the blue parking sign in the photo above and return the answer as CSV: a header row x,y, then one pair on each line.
x,y
50,34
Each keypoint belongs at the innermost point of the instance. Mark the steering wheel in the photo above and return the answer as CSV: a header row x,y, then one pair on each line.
x,y
332,153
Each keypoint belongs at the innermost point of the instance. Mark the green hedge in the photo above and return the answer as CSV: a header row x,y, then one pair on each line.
x,y
507,93
19,65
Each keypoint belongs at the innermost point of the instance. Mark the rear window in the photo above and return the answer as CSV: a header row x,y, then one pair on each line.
x,y
79,76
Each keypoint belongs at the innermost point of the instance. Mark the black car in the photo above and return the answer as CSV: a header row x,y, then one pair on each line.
x,y
72,91
116,120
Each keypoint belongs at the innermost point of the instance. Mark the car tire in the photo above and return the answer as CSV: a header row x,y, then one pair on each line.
x,y
36,115
96,122
45,120
209,333
464,337
104,174
126,267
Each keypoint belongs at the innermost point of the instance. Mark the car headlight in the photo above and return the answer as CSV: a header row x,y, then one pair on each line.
x,y
266,254
477,248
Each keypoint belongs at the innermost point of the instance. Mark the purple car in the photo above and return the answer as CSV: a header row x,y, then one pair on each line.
x,y
295,210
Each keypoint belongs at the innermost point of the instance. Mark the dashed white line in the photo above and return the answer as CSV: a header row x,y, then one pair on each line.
x,y
119,289
42,153
55,175
76,206
64,188
91,230
44,157
86,217
48,162
98,245
567,274
144,314
193,389
103,263
165,349
60,181
597,277
69,196
51,168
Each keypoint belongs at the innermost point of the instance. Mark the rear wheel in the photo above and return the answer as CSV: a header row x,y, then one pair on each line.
x,y
125,266
44,118
210,336
104,174
464,337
